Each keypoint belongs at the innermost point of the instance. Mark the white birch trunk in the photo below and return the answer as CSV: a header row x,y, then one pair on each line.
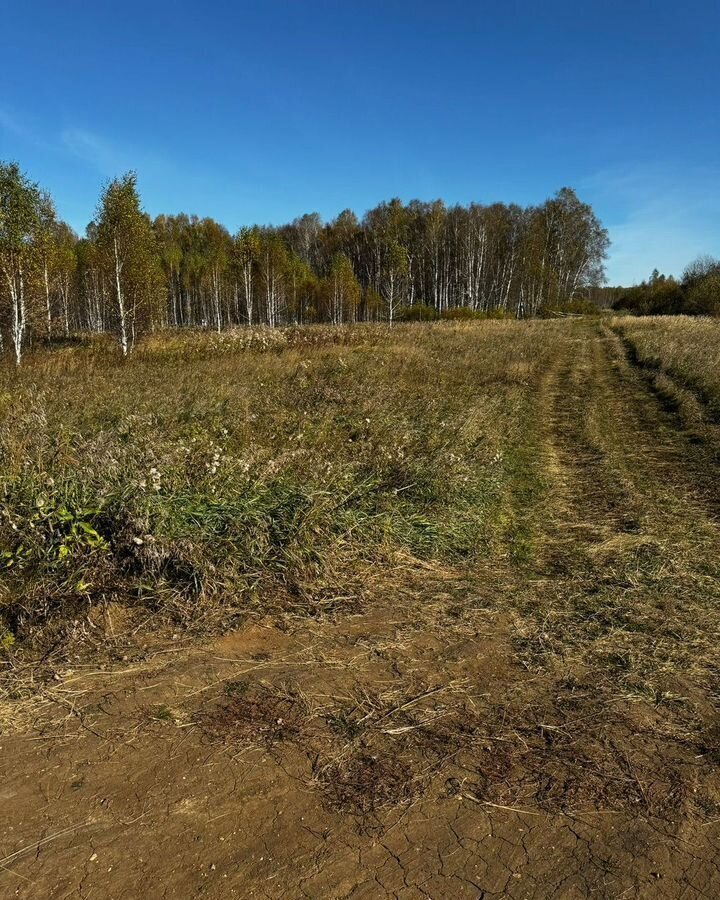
x,y
120,301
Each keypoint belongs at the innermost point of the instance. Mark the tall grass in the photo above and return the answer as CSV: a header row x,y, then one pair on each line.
x,y
687,349
211,474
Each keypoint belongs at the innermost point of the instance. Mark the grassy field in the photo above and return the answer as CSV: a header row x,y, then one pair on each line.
x,y
681,357
364,612
214,476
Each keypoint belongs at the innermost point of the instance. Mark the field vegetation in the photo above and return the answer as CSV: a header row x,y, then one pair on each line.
x,y
388,609
695,293
686,350
219,473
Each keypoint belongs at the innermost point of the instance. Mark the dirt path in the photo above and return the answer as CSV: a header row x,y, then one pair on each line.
x,y
533,732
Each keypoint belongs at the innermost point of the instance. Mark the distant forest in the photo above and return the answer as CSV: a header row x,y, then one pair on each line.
x,y
696,293
130,274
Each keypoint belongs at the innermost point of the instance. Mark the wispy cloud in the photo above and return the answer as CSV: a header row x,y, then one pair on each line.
x,y
10,124
73,155
93,150
16,132
661,217
76,142
79,143
110,157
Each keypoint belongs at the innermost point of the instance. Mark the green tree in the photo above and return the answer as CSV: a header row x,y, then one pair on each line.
x,y
301,288
703,298
45,243
130,254
273,260
246,256
64,267
20,222
168,234
344,291
218,248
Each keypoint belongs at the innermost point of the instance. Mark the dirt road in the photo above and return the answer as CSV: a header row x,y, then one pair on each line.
x,y
542,730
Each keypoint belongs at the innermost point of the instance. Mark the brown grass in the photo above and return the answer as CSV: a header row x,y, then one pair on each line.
x,y
515,482
682,352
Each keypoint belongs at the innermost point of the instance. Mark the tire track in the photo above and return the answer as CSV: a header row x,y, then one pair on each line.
x,y
592,504
672,454
618,458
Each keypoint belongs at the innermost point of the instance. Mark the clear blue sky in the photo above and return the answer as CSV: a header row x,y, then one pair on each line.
x,y
258,112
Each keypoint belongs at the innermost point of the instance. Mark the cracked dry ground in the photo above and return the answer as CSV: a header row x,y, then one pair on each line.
x,y
549,730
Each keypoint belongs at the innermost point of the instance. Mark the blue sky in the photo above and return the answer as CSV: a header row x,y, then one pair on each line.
x,y
258,112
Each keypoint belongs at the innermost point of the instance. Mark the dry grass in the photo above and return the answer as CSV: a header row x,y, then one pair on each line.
x,y
467,579
683,348
210,476
515,481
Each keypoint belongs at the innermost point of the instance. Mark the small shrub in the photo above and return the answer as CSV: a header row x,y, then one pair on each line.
x,y
466,314
418,312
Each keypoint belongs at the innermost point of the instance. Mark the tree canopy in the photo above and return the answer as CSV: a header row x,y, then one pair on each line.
x,y
130,273
697,293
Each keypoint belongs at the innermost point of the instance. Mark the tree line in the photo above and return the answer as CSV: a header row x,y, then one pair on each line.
x,y
131,274
696,293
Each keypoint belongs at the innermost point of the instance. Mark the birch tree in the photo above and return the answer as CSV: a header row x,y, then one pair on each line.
x,y
217,248
273,261
394,270
344,291
20,216
187,271
246,255
130,255
46,231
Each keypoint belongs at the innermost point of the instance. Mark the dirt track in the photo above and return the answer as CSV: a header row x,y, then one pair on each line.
x,y
475,735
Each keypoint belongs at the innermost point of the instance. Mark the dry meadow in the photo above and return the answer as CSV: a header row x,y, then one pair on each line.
x,y
356,612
